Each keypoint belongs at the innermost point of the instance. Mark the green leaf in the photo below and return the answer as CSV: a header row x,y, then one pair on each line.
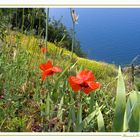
x,y
89,118
80,114
120,104
125,123
92,102
72,116
79,120
139,123
135,111
69,125
48,106
73,65
100,120
131,101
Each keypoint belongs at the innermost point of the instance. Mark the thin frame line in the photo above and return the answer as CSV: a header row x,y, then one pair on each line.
x,y
55,135
69,5
65,5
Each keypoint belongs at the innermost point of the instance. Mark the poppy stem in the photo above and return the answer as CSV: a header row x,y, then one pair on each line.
x,y
80,97
92,101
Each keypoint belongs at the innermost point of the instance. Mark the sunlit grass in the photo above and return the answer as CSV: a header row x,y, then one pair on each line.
x,y
29,104
30,100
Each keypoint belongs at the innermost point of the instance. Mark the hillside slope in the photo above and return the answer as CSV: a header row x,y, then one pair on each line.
x,y
102,70
28,103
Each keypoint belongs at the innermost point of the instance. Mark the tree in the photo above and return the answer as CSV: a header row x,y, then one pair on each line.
x,y
33,20
58,33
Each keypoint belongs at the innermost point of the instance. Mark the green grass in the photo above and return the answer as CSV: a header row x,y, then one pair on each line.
x,y
137,81
32,105
102,70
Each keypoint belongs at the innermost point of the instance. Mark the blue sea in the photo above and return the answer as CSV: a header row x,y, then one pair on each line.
x,y
106,34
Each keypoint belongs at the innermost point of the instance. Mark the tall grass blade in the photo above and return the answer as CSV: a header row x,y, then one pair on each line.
x,y
125,124
48,106
89,118
135,111
72,116
100,120
79,119
131,101
120,104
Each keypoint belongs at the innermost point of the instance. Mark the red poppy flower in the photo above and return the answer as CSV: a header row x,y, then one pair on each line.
x,y
84,81
44,50
48,69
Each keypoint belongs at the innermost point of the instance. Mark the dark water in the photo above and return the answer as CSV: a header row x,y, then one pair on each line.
x,y
106,34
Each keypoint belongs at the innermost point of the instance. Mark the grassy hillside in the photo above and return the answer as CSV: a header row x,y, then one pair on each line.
x,y
31,104
102,70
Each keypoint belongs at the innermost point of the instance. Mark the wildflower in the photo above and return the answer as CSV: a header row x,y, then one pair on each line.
x,y
74,16
48,69
44,50
84,81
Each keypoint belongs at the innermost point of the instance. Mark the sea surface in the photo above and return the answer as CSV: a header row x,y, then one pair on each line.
x,y
106,34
